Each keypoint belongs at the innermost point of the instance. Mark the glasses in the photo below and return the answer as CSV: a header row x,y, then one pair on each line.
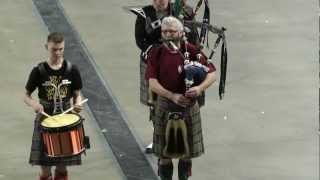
x,y
171,31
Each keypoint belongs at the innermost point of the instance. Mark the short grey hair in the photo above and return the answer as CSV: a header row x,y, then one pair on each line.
x,y
172,21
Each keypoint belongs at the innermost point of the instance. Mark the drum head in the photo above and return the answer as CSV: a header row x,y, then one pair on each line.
x,y
60,120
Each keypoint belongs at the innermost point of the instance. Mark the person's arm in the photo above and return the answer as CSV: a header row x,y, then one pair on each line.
x,y
140,33
31,85
197,90
157,88
77,98
210,77
76,89
208,81
34,104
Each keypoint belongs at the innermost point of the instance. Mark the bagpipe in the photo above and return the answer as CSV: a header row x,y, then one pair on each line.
x,y
194,71
205,28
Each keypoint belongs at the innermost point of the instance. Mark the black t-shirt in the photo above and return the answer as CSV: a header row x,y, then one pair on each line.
x,y
36,80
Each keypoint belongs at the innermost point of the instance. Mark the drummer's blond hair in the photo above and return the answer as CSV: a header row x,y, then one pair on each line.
x,y
172,21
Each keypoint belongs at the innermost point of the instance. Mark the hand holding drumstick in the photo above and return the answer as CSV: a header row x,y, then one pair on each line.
x,y
68,110
76,107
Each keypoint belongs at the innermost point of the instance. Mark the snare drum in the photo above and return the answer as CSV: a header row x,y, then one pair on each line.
x,y
63,135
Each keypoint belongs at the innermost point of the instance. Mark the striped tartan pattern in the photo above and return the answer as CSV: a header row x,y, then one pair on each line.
x,y
38,156
201,99
193,122
144,85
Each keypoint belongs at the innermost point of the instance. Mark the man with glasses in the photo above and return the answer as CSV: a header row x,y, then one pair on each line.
x,y
166,76
148,34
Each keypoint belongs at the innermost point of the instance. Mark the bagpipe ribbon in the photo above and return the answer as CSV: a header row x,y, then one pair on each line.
x,y
224,61
205,20
223,68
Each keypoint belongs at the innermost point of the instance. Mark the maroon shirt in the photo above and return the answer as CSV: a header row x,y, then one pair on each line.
x,y
166,66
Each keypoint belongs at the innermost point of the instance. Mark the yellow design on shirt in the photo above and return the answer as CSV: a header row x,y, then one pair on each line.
x,y
56,80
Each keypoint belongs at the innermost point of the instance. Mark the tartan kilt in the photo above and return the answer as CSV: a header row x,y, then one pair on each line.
x,y
38,156
193,123
201,99
144,85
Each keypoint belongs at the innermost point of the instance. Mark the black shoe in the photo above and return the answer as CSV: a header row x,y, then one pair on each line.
x,y
149,149
184,169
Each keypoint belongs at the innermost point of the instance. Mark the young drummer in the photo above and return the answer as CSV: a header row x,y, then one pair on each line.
x,y
59,84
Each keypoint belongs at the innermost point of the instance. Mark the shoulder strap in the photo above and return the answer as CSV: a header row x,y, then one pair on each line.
x,y
68,68
43,71
138,11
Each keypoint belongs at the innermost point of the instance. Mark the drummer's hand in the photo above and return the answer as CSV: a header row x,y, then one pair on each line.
x,y
38,108
193,92
77,108
180,100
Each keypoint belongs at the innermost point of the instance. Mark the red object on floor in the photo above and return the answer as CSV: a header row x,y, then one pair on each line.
x,y
59,176
45,178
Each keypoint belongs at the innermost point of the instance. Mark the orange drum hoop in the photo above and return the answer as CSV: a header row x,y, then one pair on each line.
x,y
63,135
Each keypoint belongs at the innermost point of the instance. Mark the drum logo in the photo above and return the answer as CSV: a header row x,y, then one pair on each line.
x,y
51,89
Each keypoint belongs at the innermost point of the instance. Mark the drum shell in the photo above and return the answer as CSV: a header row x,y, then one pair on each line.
x,y
64,141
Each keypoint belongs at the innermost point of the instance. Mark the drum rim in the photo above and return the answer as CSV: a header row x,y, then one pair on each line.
x,y
63,128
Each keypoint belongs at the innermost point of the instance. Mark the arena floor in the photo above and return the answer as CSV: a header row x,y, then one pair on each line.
x,y
266,127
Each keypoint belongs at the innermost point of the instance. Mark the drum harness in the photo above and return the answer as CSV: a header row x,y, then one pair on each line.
x,y
57,98
58,103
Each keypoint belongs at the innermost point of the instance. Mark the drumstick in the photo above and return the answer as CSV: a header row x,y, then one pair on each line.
x,y
48,116
45,114
70,109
